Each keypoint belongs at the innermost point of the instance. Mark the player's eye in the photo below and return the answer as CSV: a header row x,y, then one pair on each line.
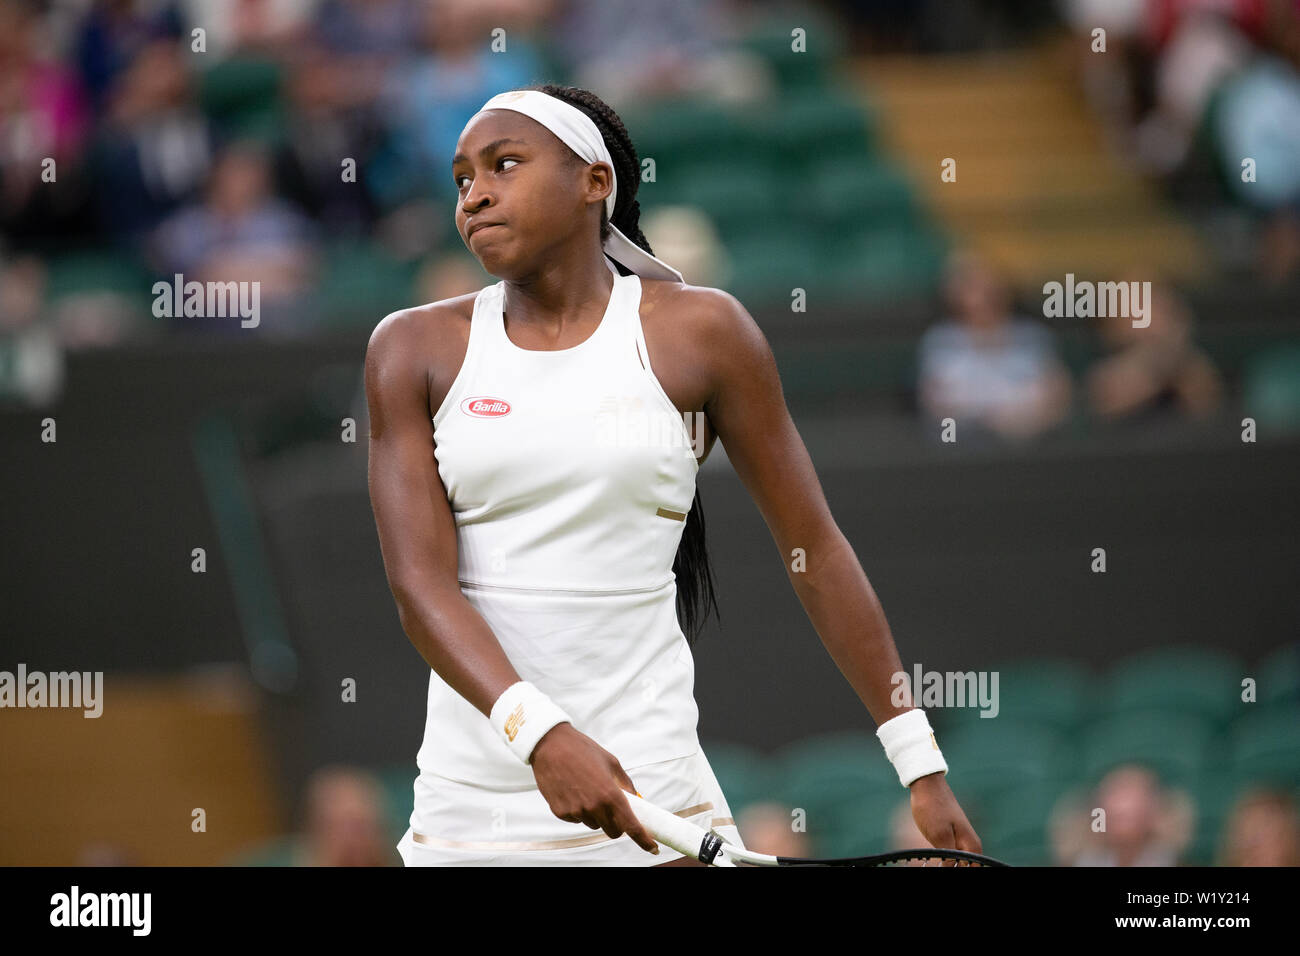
x,y
503,159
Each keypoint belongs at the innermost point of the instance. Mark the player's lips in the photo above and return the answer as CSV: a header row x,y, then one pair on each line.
x,y
476,226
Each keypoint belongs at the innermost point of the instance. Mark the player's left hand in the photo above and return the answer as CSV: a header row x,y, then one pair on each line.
x,y
938,816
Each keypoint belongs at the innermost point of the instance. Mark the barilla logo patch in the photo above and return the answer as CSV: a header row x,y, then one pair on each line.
x,y
484,407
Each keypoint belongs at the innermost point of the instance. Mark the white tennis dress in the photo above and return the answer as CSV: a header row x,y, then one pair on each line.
x,y
570,474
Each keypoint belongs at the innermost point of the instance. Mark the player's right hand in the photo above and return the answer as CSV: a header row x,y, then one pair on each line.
x,y
584,783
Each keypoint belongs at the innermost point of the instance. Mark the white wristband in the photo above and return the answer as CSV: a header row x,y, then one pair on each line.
x,y
910,746
522,715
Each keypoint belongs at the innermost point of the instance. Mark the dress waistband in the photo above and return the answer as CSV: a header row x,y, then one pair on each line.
x,y
578,592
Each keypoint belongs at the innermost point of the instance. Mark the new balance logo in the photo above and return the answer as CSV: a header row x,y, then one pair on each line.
x,y
514,722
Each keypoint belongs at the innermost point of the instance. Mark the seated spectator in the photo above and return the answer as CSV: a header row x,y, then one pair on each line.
x,y
991,371
769,828
1153,370
241,232
1145,824
1263,829
345,821
113,34
430,97
633,52
42,116
155,148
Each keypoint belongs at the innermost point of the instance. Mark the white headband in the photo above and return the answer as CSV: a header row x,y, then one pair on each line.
x,y
575,129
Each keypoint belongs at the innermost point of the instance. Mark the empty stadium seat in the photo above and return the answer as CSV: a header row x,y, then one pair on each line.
x,y
1176,744
1053,691
1191,680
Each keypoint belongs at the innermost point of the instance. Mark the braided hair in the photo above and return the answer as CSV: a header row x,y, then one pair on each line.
x,y
695,593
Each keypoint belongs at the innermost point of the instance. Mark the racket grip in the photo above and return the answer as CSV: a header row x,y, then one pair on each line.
x,y
682,835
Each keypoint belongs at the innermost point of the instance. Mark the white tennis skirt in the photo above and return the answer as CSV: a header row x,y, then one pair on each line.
x,y
458,824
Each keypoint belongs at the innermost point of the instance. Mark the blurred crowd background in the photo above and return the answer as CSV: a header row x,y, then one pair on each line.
x,y
917,170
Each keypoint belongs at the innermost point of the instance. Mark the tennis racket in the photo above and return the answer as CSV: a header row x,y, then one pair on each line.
x,y
707,847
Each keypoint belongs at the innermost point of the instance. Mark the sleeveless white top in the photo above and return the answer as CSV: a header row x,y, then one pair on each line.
x,y
570,474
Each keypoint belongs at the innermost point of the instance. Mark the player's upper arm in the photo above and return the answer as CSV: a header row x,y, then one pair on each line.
x,y
748,412
417,533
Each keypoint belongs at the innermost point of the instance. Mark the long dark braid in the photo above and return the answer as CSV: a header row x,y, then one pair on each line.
x,y
695,594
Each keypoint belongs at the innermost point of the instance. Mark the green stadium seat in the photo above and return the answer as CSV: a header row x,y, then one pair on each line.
x,y
242,96
681,131
1271,388
89,272
1051,691
742,773
1178,745
796,132
398,782
1265,745
360,284
1214,794
766,267
734,195
824,771
771,38
854,192
881,264
279,851
1015,828
856,826
992,759
1279,676
1192,680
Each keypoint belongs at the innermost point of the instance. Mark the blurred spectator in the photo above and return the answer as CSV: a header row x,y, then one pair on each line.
x,y
1259,118
904,834
113,34
345,823
1263,829
430,97
231,26
768,828
241,232
329,119
155,147
447,276
43,117
991,371
1155,369
633,51
105,854
688,238
32,369
360,29
1146,824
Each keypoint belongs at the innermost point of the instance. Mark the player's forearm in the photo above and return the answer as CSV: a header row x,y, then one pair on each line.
x,y
848,618
456,642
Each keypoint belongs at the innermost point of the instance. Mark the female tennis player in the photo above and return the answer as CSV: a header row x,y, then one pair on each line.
x,y
543,539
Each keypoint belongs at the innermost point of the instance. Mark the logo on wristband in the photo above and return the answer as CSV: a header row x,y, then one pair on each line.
x,y
514,722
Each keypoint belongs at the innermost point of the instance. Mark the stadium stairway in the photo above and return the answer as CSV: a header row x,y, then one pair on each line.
x,y
1038,188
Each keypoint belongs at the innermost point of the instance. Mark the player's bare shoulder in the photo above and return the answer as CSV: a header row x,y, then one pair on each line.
x,y
428,340
709,322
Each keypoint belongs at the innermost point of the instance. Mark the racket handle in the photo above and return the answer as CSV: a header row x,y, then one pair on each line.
x,y
682,835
